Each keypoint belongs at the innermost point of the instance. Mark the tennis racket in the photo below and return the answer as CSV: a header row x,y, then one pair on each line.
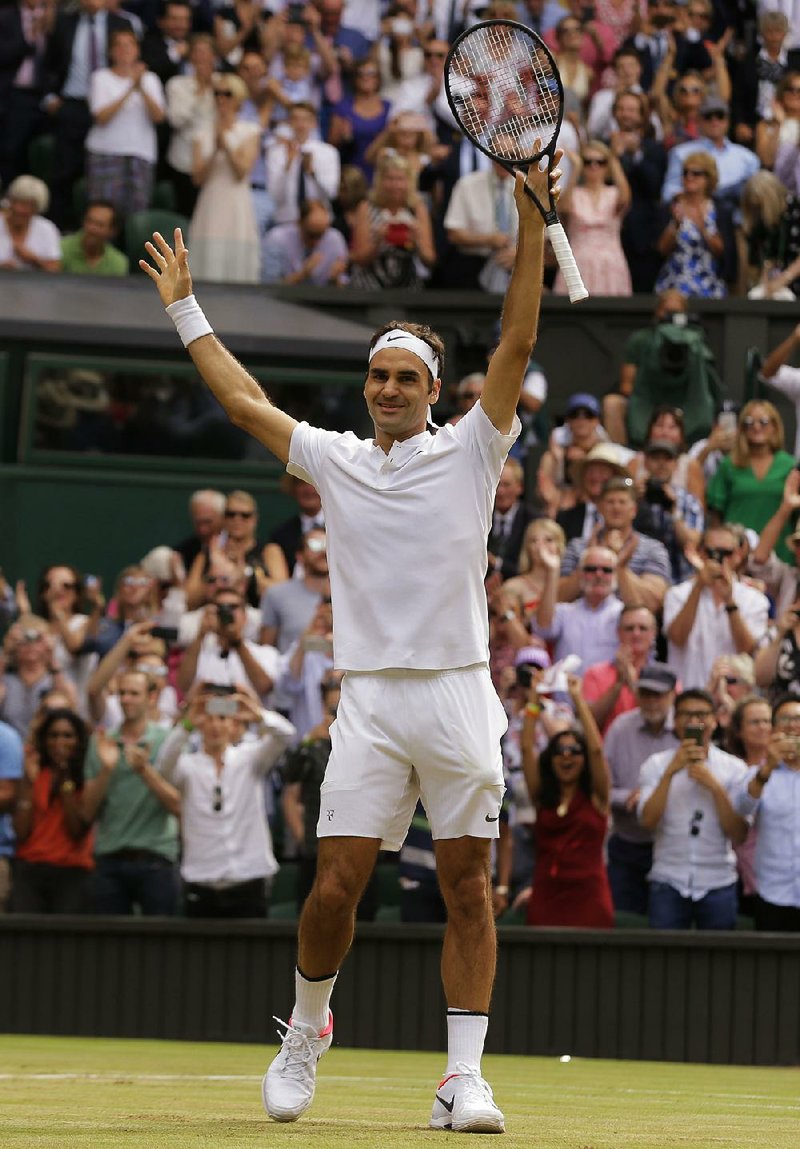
x,y
505,92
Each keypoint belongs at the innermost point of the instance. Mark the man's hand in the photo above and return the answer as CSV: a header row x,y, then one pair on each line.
x,y
107,752
791,490
626,671
540,184
632,801
700,773
171,272
137,757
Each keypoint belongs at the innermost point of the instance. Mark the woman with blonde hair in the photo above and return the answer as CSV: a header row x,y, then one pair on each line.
x,y
541,535
392,244
594,211
771,230
407,135
28,241
748,485
691,243
223,237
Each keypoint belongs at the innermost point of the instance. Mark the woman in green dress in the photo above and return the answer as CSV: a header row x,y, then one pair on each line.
x,y
748,485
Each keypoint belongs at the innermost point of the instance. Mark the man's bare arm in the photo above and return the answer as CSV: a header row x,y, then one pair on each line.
x,y
239,393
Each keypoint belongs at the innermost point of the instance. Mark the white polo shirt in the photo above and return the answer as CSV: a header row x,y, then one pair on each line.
x,y
212,666
407,540
710,635
693,863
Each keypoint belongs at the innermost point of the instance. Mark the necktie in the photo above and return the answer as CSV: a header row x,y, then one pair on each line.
x,y
94,62
301,183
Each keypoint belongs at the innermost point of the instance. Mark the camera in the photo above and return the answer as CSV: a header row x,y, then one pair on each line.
x,y
222,707
654,493
524,676
168,634
225,614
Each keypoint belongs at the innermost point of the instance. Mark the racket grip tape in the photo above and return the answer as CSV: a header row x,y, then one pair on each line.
x,y
566,261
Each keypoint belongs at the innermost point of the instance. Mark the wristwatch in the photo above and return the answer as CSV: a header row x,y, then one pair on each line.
x,y
731,608
67,787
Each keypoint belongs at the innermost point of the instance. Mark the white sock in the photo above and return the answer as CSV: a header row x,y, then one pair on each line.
x,y
312,1000
466,1033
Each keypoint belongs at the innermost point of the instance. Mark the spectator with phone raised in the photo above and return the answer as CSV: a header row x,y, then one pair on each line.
x,y
781,578
685,800
307,663
227,860
138,649
713,613
221,654
31,672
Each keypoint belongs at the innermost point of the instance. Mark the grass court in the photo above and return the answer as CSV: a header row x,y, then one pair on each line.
x,y
112,1094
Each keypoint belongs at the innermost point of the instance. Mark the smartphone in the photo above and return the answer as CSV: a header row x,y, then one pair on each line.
x,y
167,634
222,707
219,688
695,733
727,421
90,581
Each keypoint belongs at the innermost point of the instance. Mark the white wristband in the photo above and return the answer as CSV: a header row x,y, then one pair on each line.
x,y
189,320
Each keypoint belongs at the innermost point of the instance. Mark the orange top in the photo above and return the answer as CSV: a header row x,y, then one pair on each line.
x,y
49,840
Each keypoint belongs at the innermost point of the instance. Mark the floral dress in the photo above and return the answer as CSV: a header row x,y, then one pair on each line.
x,y
691,268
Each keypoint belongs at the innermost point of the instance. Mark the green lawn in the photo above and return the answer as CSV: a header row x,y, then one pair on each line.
x,y
65,1093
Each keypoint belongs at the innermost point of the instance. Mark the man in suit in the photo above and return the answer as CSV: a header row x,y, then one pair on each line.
x,y
289,534
77,47
166,51
511,517
24,26
652,43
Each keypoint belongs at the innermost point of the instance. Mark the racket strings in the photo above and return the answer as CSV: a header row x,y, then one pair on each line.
x,y
507,92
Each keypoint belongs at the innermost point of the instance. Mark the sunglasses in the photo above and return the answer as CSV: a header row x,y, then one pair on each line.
x,y
569,750
718,554
594,162
223,93
694,172
132,580
238,514
61,586
217,799
694,825
582,413
731,679
715,115
794,91
591,568
762,421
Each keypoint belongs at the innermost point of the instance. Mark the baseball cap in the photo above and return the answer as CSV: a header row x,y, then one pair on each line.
x,y
661,446
532,656
658,677
583,399
714,104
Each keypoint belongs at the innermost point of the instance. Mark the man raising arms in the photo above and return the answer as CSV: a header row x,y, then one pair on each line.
x,y
418,715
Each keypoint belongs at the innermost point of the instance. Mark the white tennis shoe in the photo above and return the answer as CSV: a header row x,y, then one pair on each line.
x,y
288,1085
464,1104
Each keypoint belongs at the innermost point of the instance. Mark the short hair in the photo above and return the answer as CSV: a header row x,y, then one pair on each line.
x,y
470,381
636,606
696,694
422,331
243,497
704,163
617,484
210,497
108,206
232,83
116,33
773,19
296,54
596,547
307,205
675,413
208,40
303,106
725,527
32,190
780,702
516,468
150,683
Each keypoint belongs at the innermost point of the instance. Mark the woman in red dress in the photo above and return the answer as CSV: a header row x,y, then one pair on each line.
x,y
569,784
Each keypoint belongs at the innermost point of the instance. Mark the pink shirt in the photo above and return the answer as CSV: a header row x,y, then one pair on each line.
x,y
597,680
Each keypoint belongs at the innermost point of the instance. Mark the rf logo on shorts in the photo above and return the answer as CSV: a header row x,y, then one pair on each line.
x,y
330,815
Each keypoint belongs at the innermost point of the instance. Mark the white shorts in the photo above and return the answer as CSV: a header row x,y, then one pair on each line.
x,y
404,735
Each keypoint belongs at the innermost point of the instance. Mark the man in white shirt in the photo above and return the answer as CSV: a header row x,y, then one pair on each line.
x,y
220,654
684,799
295,152
713,613
226,847
407,516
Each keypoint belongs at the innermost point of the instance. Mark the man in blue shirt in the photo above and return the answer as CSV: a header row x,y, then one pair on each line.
x,y
735,163
771,793
10,774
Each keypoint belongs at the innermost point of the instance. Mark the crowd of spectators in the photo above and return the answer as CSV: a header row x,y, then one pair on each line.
x,y
313,142
162,745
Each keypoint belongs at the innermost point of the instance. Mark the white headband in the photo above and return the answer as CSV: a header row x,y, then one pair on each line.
x,y
408,342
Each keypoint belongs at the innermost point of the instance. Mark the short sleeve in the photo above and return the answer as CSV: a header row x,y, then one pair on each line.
x,y
479,435
308,450
46,239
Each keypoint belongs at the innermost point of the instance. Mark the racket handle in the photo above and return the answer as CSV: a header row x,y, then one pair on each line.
x,y
566,261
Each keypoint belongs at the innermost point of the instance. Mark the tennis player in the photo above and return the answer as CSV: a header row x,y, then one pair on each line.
x,y
407,515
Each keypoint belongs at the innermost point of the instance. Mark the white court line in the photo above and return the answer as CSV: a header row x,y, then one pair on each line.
x,y
738,1100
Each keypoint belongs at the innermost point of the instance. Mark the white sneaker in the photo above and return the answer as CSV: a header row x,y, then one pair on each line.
x,y
464,1104
288,1085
